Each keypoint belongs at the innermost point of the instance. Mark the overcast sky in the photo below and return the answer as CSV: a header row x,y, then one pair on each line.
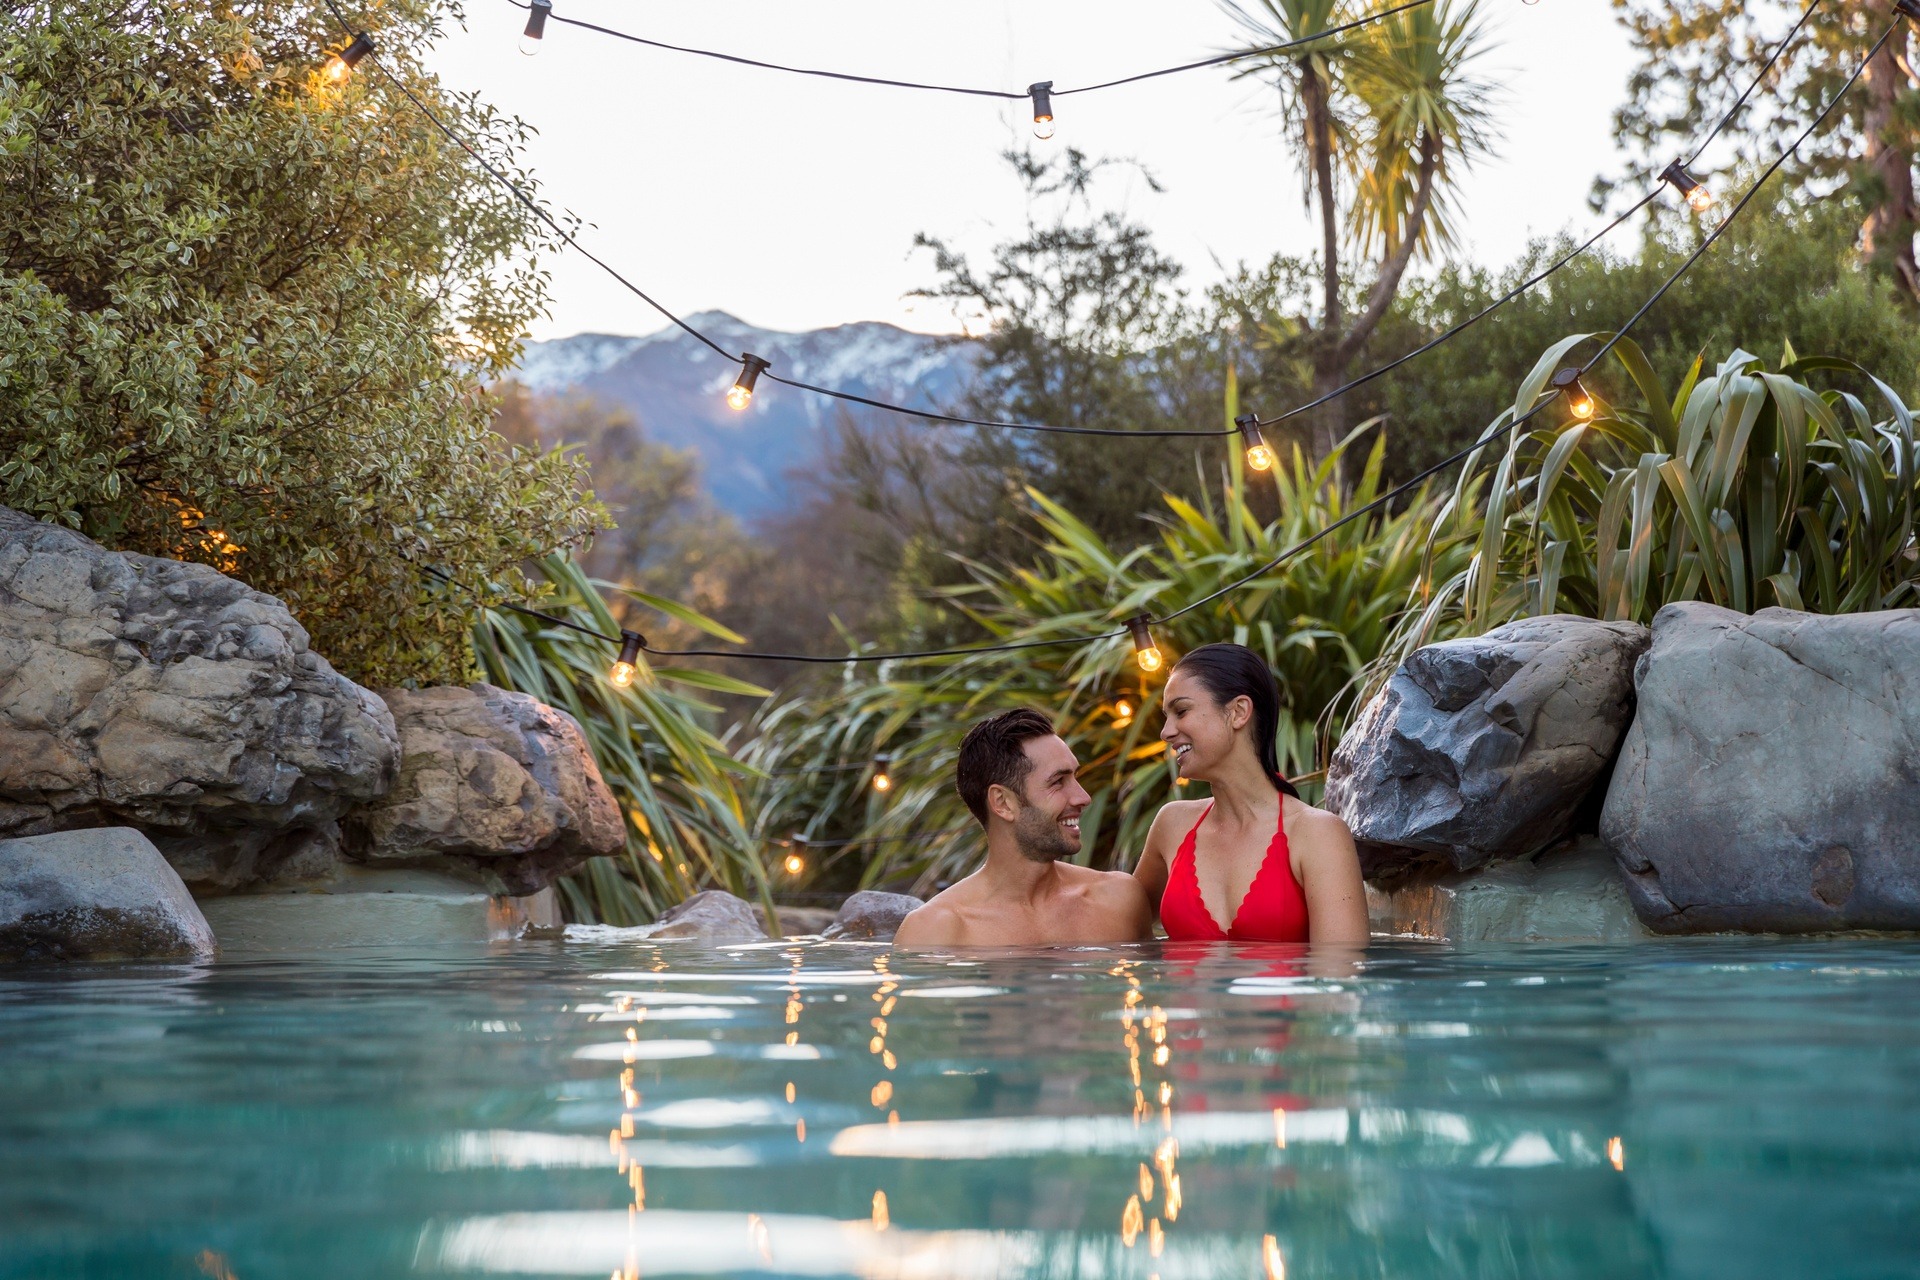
x,y
792,202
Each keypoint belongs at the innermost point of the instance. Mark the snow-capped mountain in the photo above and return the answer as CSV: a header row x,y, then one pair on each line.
x,y
676,387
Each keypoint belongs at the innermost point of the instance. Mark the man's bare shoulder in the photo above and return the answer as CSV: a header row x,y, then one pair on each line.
x,y
1102,884
932,924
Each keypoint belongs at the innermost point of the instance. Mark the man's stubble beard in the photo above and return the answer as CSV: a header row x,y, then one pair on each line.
x,y
1039,837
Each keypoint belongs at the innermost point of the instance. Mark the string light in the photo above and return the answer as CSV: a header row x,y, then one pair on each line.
x,y
1579,401
1042,95
341,64
740,394
1145,652
882,780
1122,712
536,30
1259,452
1676,176
794,864
624,666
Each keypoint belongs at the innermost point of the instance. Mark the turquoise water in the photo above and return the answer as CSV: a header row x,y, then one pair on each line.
x,y
1705,1108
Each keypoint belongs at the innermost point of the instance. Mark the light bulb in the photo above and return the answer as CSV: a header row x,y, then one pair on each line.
x,y
537,13
1145,652
1697,196
1579,400
882,781
1042,95
341,64
795,864
626,664
1122,709
1259,452
740,394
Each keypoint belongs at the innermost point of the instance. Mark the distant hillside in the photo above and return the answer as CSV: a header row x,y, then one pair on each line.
x,y
677,389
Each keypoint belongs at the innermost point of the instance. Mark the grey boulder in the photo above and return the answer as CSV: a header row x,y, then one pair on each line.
x,y
165,696
1771,780
493,781
872,915
713,915
104,894
1482,749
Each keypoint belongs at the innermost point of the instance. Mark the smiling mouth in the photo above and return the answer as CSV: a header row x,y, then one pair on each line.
x,y
1181,750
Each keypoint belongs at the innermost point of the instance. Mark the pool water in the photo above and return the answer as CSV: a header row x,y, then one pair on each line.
x,y
1700,1108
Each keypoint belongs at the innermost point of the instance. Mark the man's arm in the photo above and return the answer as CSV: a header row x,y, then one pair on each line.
x,y
1130,905
933,925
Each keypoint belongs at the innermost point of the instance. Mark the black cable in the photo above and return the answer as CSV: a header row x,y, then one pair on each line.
x,y
1215,61
1469,322
954,420
527,200
1741,101
799,841
1218,59
1619,334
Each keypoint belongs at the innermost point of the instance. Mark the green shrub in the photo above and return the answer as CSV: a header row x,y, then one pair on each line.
x,y
1747,487
245,314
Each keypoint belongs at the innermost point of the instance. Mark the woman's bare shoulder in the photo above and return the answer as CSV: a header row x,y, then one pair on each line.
x,y
1315,829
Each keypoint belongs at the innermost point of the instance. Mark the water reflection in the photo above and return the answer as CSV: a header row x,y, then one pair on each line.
x,y
835,1111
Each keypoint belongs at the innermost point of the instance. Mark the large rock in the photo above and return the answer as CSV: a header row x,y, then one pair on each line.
x,y
713,915
104,894
1482,749
1771,780
872,915
165,696
368,907
492,779
1571,894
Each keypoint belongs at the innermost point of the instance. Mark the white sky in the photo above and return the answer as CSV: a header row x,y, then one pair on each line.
x,y
792,202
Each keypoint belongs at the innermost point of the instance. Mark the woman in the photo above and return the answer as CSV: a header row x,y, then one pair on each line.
x,y
1255,863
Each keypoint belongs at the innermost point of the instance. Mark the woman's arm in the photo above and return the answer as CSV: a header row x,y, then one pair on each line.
x,y
1329,868
1151,869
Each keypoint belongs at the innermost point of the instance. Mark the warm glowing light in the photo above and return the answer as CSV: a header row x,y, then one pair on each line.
x,y
1145,652
1166,1092
341,64
887,1059
1156,1238
800,1130
1132,1220
1270,1254
882,779
1122,710
537,13
880,1219
1042,95
1280,1127
627,663
1146,1183
740,394
794,864
790,1091
1617,1153
1259,453
1173,1197
882,1094
1580,401
1698,197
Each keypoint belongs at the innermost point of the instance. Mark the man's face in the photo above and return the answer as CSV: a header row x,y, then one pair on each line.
x,y
1046,826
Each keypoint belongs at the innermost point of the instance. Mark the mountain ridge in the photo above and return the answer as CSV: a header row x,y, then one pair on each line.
x,y
676,387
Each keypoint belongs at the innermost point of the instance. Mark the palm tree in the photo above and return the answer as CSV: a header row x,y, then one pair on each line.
x,y
1388,117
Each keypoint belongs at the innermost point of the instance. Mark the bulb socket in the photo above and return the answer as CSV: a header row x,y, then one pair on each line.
x,y
1259,452
1145,652
359,48
751,367
537,13
1042,95
1910,8
1579,399
1676,176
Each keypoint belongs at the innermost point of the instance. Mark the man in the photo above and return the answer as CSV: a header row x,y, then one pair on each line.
x,y
1018,778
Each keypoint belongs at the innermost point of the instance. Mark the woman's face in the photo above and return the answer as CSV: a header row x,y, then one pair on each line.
x,y
1199,731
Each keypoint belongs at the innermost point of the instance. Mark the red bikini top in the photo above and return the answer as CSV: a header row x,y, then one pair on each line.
x,y
1274,910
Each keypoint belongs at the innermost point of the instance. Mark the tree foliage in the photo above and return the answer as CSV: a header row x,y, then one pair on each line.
x,y
245,312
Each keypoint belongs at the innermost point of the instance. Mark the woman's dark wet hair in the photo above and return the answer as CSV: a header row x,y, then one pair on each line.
x,y
1231,671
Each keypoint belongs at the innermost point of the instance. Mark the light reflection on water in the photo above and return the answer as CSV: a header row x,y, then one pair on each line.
x,y
1705,1108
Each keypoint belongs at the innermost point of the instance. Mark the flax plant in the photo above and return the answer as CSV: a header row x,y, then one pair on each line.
x,y
1319,620
686,828
1746,487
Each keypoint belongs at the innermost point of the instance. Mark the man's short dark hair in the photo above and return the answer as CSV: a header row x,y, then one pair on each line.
x,y
994,753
